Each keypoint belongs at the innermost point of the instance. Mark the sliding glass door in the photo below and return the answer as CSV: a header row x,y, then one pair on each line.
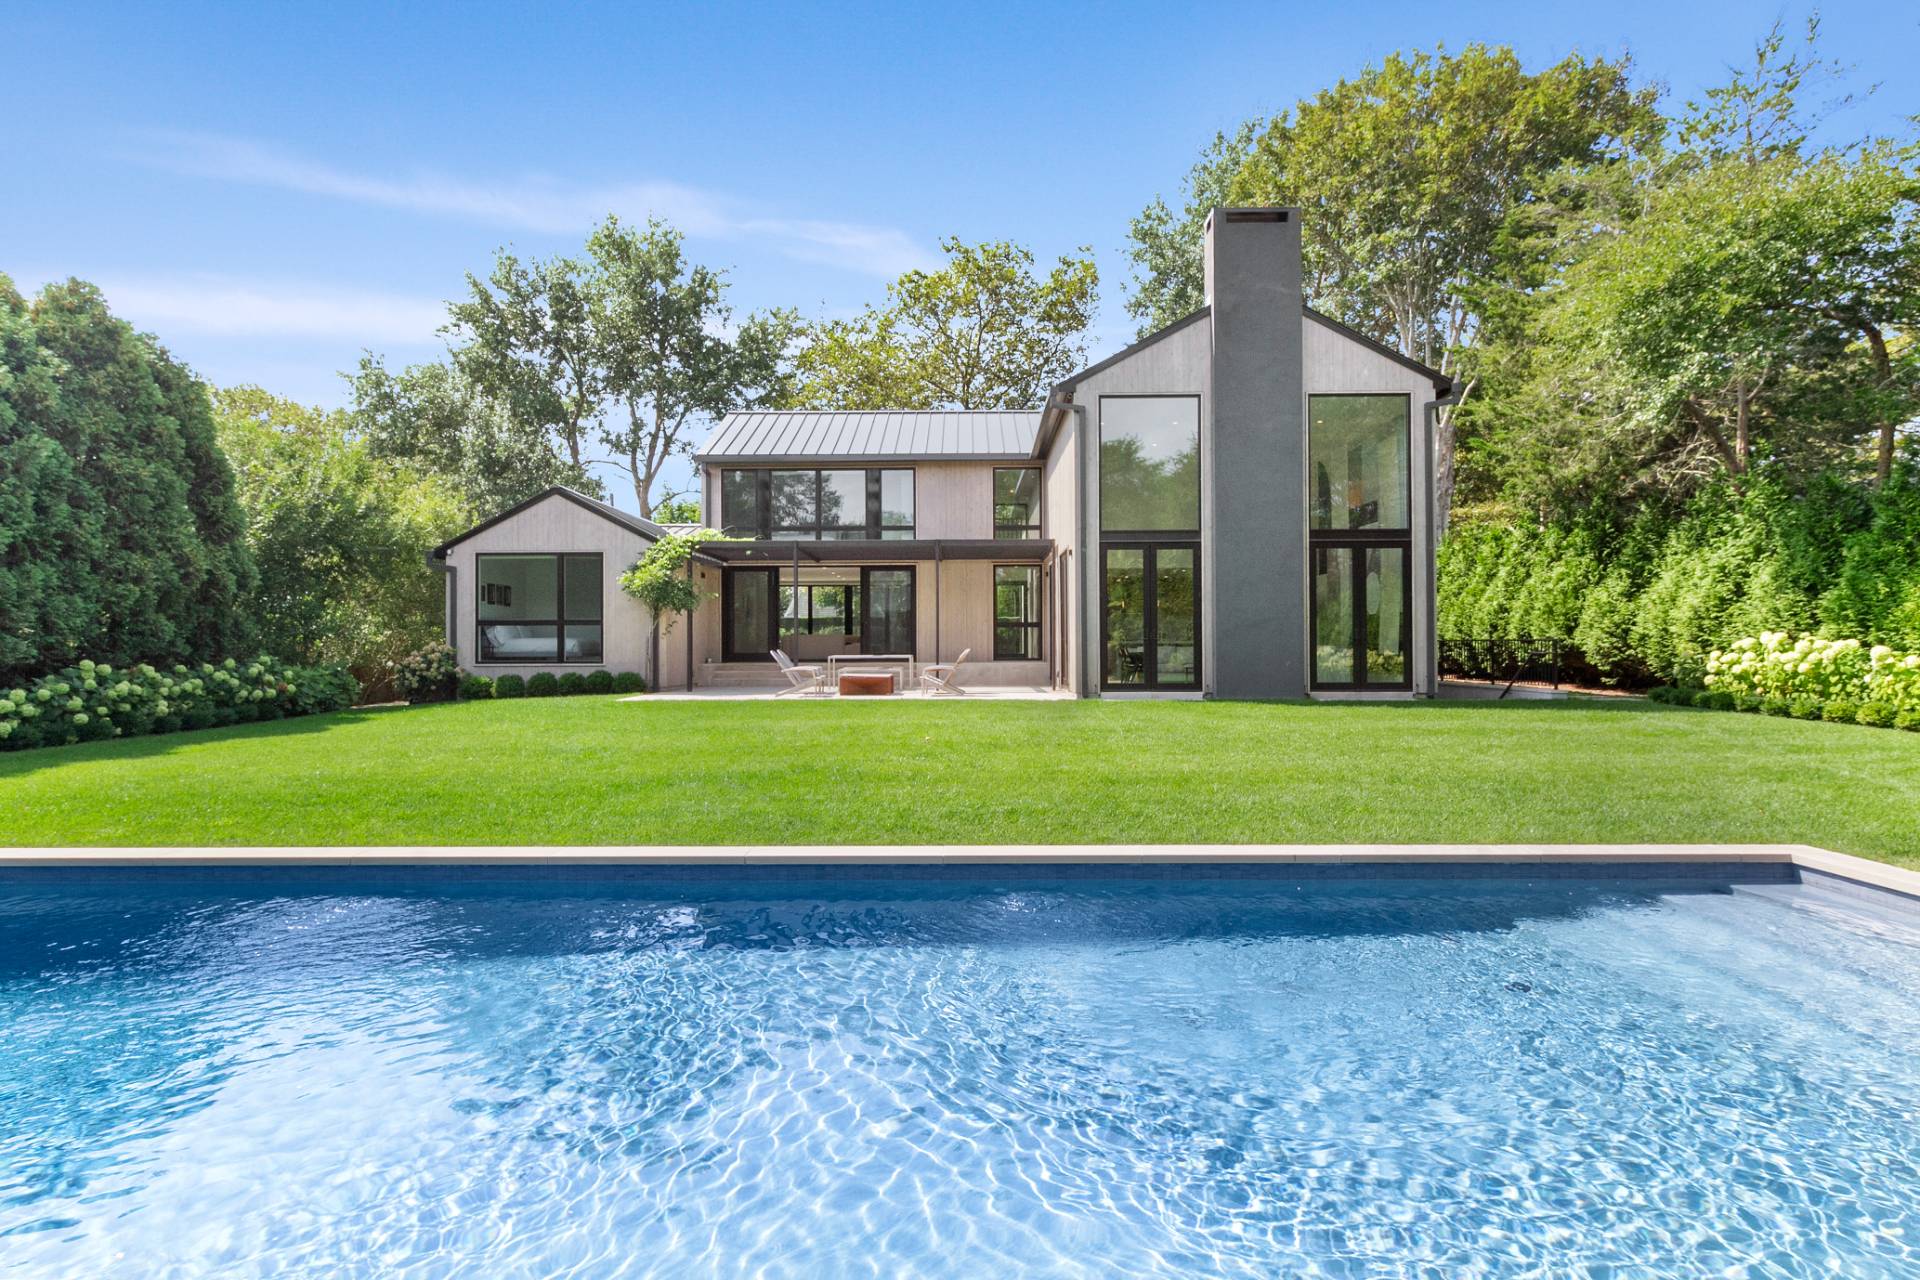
x,y
1150,603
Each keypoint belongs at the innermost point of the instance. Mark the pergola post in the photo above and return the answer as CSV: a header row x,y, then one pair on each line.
x,y
938,564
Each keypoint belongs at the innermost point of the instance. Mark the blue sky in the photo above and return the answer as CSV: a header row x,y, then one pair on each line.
x,y
274,191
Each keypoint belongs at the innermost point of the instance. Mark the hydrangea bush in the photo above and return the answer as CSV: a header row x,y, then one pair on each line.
x,y
431,674
95,700
1776,665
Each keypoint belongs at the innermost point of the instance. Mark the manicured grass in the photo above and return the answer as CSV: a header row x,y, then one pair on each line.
x,y
600,771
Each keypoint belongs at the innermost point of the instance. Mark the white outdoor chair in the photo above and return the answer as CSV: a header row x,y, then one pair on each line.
x,y
801,678
943,677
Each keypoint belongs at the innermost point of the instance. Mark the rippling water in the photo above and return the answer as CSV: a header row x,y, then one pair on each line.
x,y
1007,1073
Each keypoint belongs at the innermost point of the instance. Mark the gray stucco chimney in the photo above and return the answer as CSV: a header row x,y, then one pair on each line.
x,y
1255,525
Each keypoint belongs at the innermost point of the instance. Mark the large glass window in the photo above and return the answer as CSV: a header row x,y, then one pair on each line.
x,y
1016,502
1357,462
539,608
811,505
1149,463
1016,613
896,503
820,609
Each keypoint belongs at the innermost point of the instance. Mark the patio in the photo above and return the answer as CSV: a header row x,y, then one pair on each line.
x,y
768,693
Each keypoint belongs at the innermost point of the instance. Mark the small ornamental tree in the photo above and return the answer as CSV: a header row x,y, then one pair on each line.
x,y
659,579
662,581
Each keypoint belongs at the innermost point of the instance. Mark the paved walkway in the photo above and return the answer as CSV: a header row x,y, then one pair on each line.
x,y
752,693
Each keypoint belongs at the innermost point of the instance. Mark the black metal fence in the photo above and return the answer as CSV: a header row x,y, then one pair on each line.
x,y
1505,660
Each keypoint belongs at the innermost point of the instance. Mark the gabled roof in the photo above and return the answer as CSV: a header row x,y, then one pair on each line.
x,y
877,435
644,527
1067,384
1441,382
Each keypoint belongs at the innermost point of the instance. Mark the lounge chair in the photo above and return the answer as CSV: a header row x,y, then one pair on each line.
x,y
801,677
943,677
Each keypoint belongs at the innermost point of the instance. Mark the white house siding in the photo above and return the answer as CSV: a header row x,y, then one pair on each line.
x,y
1336,364
556,524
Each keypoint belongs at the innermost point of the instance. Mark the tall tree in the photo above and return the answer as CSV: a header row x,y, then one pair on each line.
x,y
128,543
1406,176
526,337
434,420
340,534
670,350
983,332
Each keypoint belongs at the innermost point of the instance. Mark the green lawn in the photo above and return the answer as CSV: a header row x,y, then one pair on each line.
x,y
599,771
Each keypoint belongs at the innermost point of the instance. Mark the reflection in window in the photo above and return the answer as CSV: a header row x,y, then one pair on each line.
x,y
538,608
820,609
811,505
1150,463
1016,502
1016,613
1357,462
1126,629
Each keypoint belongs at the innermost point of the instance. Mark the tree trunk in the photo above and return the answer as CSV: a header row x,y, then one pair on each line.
x,y
1443,441
1743,426
1883,370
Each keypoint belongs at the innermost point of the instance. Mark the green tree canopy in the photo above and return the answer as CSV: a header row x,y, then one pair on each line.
x,y
432,419
340,534
120,537
1406,175
983,332
669,349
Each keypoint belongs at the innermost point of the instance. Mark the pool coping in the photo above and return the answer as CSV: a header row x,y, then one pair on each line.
x,y
1824,862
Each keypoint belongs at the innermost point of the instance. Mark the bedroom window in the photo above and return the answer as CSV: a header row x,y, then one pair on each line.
x,y
543,608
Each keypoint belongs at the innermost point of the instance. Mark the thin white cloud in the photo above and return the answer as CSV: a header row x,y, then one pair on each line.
x,y
539,203
230,307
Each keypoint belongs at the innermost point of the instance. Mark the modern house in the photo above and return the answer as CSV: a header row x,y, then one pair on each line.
x,y
1239,505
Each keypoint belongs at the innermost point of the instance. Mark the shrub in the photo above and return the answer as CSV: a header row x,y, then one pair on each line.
x,y
510,687
1840,711
1661,693
1907,719
600,682
572,684
1715,700
628,682
472,687
91,700
431,674
544,685
1776,706
1695,697
1748,702
1804,708
1876,715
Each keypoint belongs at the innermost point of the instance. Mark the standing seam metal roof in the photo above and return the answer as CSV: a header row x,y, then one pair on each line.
x,y
881,433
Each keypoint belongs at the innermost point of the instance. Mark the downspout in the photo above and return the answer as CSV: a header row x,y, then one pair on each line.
x,y
437,561
937,563
1431,668
690,630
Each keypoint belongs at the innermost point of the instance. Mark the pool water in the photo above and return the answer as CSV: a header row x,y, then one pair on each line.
x,y
989,1072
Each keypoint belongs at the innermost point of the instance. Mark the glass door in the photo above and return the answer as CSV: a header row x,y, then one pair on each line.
x,y
1362,611
1150,603
886,619
749,612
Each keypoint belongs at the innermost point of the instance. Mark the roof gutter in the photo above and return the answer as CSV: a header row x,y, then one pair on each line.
x,y
1052,415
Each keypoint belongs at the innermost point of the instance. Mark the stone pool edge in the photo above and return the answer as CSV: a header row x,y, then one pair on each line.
x,y
1823,862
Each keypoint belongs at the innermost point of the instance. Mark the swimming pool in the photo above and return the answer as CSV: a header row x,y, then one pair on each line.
x,y
956,1071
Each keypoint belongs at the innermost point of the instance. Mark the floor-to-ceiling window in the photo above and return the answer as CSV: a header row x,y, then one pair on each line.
x,y
1360,534
1150,542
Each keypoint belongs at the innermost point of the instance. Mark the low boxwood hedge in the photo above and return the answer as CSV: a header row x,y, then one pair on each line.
x,y
543,685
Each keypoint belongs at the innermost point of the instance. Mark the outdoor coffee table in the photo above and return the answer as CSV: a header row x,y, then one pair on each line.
x,y
902,662
866,684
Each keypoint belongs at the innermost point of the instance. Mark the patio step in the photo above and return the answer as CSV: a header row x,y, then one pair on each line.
x,y
742,675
